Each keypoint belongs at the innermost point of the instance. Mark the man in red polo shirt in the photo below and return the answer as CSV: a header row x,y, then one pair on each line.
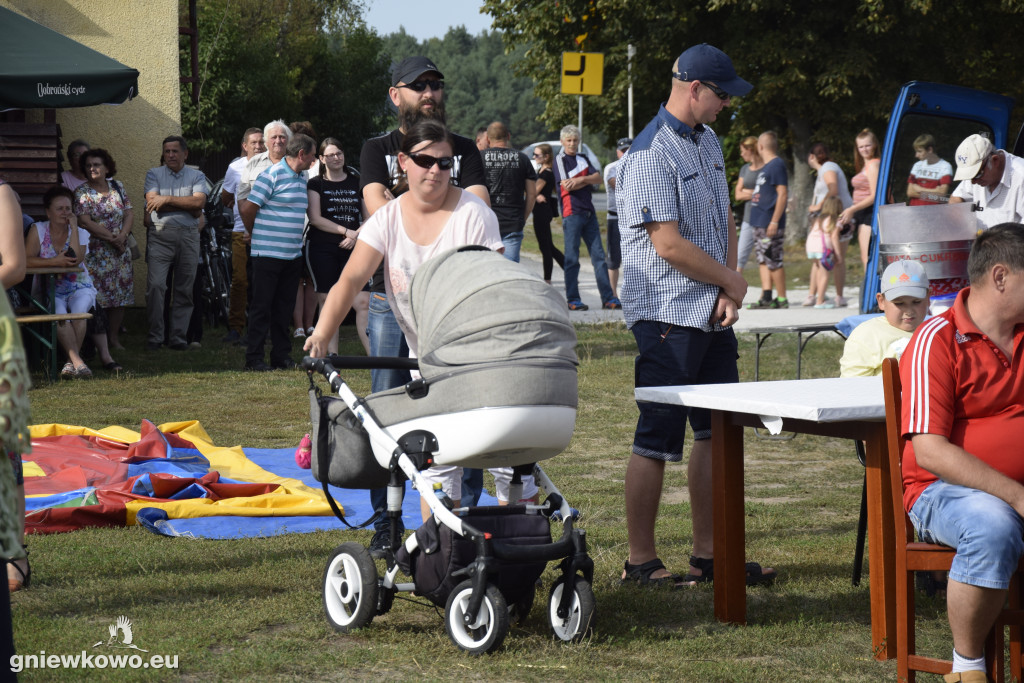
x,y
963,416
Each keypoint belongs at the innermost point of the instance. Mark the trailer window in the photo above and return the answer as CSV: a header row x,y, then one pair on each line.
x,y
947,133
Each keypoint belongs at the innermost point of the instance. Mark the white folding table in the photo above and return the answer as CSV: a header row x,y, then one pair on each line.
x,y
850,408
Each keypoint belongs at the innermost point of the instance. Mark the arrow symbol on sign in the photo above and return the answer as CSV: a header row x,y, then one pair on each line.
x,y
579,72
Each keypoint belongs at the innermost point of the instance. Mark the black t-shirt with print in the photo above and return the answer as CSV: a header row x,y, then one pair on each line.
x,y
339,203
507,171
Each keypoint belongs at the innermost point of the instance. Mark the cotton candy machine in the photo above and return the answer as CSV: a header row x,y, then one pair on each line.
x,y
939,236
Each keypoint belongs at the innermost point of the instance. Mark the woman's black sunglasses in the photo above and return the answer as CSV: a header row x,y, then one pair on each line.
x,y
427,161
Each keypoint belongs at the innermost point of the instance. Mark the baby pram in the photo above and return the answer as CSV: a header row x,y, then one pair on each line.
x,y
497,389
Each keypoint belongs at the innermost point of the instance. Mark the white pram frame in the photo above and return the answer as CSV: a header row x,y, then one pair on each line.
x,y
477,615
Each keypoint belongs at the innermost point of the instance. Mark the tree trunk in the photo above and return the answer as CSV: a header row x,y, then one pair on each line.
x,y
801,183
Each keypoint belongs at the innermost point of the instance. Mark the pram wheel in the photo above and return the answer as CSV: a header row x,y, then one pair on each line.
x,y
491,626
577,624
350,588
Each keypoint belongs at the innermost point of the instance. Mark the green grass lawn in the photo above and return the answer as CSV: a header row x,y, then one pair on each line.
x,y
251,609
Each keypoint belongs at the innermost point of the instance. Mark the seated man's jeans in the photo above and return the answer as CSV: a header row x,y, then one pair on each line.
x,y
513,242
583,226
386,339
987,534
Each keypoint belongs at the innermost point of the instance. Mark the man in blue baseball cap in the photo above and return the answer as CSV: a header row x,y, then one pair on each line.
x,y
680,296
711,66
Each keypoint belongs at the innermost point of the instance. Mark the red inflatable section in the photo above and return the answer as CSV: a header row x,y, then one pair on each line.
x,y
73,462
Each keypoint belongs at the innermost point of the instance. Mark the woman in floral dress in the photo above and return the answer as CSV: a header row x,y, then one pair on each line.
x,y
103,208
14,413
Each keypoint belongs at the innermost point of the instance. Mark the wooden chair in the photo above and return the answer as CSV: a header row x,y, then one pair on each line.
x,y
914,556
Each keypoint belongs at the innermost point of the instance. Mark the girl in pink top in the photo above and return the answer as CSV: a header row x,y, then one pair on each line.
x,y
823,234
866,161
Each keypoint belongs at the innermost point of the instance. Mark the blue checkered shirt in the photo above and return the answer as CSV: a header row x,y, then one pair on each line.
x,y
671,173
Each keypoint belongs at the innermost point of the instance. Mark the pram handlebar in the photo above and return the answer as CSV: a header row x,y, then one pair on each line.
x,y
373,363
324,367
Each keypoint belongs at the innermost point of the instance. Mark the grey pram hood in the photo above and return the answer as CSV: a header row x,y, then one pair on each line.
x,y
474,307
491,334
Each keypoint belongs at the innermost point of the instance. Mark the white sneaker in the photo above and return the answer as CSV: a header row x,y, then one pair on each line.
x,y
299,333
841,302
309,331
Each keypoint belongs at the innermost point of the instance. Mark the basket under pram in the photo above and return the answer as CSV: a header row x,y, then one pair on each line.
x,y
497,388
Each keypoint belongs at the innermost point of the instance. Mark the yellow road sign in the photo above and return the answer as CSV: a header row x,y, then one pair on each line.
x,y
582,73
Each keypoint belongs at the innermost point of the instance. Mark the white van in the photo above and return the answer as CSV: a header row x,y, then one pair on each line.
x,y
556,147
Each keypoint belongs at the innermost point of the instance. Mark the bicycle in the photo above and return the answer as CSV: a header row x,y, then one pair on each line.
x,y
215,259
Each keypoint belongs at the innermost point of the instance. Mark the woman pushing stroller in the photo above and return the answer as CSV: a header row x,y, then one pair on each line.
x,y
432,217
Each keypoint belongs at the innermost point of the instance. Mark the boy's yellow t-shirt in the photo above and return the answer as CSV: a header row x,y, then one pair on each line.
x,y
870,343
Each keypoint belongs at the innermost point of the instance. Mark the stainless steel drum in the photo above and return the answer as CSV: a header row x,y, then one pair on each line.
x,y
939,236
941,260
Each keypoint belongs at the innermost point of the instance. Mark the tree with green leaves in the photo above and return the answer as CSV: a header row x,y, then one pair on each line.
x,y
821,71
262,60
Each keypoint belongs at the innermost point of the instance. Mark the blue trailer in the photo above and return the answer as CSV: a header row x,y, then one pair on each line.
x,y
947,112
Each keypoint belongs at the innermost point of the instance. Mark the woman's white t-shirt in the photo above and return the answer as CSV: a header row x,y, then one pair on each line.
x,y
821,188
471,222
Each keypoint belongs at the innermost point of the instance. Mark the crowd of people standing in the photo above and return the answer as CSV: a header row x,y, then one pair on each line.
x,y
325,208
762,188
359,241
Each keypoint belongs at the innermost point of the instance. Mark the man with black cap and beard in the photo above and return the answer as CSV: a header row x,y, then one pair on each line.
x,y
417,90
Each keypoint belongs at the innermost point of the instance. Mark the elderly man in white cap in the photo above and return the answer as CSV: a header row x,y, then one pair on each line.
x,y
993,179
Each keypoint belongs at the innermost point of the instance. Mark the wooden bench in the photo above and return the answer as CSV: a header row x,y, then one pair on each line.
x,y
51,318
30,160
48,342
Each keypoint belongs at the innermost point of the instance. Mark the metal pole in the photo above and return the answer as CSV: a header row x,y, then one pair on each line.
x,y
581,123
630,54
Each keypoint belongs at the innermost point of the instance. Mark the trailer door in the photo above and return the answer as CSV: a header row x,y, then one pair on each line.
x,y
948,114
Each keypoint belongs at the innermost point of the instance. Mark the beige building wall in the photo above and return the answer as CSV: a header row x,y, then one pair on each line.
x,y
142,34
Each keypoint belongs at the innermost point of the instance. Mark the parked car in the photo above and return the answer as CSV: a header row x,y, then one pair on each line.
x,y
947,112
556,147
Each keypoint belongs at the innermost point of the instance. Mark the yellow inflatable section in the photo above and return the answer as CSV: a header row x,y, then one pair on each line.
x,y
293,498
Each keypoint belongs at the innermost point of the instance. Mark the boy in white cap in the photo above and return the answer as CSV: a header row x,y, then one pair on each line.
x,y
992,178
903,300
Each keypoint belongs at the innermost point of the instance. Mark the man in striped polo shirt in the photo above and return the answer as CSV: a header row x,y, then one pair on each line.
x,y
274,214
